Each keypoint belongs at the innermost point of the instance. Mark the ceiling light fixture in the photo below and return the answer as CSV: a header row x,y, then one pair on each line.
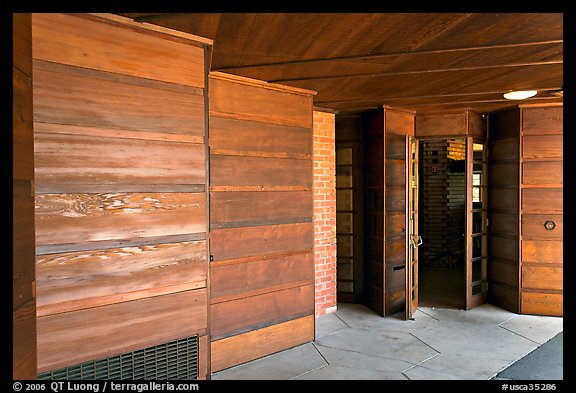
x,y
520,94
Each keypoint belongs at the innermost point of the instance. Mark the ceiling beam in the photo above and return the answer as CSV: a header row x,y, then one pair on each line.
x,y
378,74
392,54
429,96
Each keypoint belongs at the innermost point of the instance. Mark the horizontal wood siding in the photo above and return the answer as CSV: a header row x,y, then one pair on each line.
x,y
541,196
257,343
121,197
24,358
503,214
261,230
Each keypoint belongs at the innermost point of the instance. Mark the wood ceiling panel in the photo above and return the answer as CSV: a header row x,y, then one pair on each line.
x,y
501,28
422,61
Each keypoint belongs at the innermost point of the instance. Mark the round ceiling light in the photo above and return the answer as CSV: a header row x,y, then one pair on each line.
x,y
520,94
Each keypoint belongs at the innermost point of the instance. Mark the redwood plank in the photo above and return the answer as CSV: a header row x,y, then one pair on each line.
x,y
542,251
67,96
542,146
24,341
533,226
77,161
537,303
453,124
248,346
247,135
22,127
542,277
22,42
241,101
542,120
542,200
243,242
88,43
259,171
242,277
84,218
505,149
241,208
249,313
114,329
540,173
399,122
72,281
504,174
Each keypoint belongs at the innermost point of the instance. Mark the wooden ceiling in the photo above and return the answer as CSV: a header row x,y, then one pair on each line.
x,y
420,61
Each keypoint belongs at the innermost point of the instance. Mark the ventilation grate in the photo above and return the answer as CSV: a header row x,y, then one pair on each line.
x,y
173,360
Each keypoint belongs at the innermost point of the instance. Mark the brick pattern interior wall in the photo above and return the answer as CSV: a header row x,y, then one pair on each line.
x,y
444,192
325,212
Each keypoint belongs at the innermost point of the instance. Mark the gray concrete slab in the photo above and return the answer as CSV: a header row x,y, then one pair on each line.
x,y
400,346
332,372
329,324
443,344
279,366
536,328
456,366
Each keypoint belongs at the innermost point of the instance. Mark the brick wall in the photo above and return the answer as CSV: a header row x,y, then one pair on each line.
x,y
325,212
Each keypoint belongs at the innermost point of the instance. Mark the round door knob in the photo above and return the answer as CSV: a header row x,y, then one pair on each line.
x,y
549,225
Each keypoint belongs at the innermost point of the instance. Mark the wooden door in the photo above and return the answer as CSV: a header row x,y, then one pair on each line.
x,y
349,218
414,239
261,230
476,222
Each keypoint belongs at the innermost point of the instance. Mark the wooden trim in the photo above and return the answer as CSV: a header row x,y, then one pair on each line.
x,y
541,105
248,346
389,54
261,84
429,71
51,128
267,154
163,32
256,258
105,188
263,222
323,109
106,244
259,188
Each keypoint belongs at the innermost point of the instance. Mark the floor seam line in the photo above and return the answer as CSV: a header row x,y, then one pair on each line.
x,y
431,316
363,353
317,368
518,334
343,321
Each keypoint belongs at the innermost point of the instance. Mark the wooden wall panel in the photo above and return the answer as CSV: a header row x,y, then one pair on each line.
x,y
541,195
77,41
121,327
261,232
23,242
444,124
121,201
241,348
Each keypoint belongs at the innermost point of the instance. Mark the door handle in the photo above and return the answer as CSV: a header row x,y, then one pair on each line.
x,y
415,241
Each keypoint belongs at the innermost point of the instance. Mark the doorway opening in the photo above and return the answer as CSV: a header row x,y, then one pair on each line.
x,y
442,223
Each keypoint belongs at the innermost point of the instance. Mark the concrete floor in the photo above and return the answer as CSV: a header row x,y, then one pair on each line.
x,y
439,344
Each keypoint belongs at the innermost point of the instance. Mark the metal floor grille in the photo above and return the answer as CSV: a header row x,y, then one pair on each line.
x,y
173,360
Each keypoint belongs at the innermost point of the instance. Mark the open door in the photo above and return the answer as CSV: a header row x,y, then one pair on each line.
x,y
476,222
413,239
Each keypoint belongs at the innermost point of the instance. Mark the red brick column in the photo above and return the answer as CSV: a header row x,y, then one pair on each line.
x,y
325,212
